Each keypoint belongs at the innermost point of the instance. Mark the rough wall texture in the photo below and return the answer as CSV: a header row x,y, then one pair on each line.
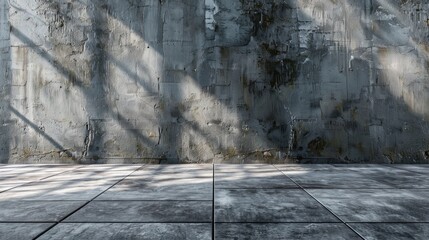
x,y
214,80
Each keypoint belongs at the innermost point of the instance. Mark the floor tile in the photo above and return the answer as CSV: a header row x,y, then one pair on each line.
x,y
417,168
107,231
144,211
361,165
334,179
268,205
171,174
395,178
284,231
45,167
265,179
305,167
22,231
36,211
177,168
392,231
376,205
109,167
226,168
167,189
8,177
89,175
58,190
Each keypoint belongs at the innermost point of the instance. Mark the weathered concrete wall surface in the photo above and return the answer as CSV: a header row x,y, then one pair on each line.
x,y
214,80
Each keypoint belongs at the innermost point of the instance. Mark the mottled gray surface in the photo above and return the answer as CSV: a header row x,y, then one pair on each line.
x,y
59,190
334,179
262,179
251,168
22,231
269,81
132,231
36,211
376,205
168,189
250,176
177,168
144,211
166,182
392,231
268,205
306,167
419,168
279,231
395,177
155,202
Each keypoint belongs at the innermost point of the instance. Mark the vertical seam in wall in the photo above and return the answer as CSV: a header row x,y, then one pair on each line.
x,y
335,215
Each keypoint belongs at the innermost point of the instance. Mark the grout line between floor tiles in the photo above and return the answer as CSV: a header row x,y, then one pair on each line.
x,y
324,206
85,204
41,179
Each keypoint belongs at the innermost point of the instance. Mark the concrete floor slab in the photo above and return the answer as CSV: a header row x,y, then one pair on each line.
x,y
26,176
418,168
334,179
58,190
252,179
361,165
268,205
250,201
22,231
36,211
109,167
135,231
175,189
178,168
144,211
395,178
305,167
89,175
164,189
392,231
227,168
376,205
12,176
170,174
284,231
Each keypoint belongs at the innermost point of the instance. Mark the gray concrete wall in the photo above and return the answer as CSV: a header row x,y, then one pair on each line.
x,y
92,81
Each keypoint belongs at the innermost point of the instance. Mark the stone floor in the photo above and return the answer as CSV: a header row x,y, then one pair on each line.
x,y
224,201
